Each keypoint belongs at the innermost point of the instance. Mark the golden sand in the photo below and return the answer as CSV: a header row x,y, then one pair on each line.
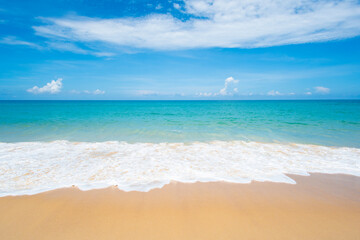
x,y
317,207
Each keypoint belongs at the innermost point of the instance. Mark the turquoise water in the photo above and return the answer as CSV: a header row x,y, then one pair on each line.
x,y
142,145
330,123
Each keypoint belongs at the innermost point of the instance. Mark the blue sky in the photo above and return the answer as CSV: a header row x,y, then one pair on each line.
x,y
192,49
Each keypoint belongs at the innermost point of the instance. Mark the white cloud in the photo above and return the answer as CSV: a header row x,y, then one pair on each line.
x,y
51,87
177,6
322,90
308,93
274,93
146,92
75,92
98,92
11,40
65,46
277,93
205,94
57,45
229,80
224,91
158,7
218,23
70,47
102,54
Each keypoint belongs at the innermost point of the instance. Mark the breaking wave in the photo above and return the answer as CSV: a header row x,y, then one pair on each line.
x,y
33,167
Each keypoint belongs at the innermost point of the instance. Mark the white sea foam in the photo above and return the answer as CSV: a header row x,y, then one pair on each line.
x,y
32,167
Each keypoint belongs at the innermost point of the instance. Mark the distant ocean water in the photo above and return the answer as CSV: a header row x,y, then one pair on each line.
x,y
139,145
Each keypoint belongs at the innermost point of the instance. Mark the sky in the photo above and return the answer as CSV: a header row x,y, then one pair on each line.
x,y
180,50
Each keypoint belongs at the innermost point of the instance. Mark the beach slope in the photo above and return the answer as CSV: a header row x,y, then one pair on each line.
x,y
320,206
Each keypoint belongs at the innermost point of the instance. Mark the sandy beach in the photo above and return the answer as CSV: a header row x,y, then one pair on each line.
x,y
317,207
180,120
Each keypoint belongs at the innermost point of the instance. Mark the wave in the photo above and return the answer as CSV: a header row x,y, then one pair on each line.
x,y
33,167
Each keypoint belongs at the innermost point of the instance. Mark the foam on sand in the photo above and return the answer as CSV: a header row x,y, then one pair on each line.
x,y
32,167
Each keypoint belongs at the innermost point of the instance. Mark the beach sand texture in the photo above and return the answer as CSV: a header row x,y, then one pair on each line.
x,y
321,206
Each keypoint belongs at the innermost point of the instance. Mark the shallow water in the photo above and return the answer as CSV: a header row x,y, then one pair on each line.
x,y
330,123
140,145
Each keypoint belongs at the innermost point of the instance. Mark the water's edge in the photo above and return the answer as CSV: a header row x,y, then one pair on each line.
x,y
35,167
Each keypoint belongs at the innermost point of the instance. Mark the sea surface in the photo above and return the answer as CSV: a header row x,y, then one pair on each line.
x,y
141,145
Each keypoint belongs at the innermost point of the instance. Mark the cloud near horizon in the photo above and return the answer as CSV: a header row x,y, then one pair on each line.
x,y
55,86
274,93
52,87
322,90
96,92
216,23
146,93
225,91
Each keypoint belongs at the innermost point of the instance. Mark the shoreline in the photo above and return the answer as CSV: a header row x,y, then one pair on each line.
x,y
160,186
34,167
320,206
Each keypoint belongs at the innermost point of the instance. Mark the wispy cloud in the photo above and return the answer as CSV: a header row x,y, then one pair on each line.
x,y
52,87
70,47
55,45
151,93
158,7
96,92
75,92
66,46
11,40
146,93
217,23
277,93
322,90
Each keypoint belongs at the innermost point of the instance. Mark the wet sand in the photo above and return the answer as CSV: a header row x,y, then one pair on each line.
x,y
318,207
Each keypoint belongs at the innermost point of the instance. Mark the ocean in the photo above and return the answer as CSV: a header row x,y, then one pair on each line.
x,y
141,145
